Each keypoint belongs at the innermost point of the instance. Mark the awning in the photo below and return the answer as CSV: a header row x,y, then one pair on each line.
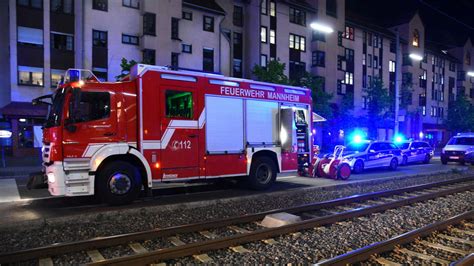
x,y
24,109
318,118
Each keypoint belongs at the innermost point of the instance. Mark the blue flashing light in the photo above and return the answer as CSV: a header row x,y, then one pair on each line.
x,y
357,136
74,74
398,138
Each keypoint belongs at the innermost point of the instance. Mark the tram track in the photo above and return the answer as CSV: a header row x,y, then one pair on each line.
x,y
149,246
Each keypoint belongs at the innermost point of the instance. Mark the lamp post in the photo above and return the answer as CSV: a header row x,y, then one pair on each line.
x,y
397,81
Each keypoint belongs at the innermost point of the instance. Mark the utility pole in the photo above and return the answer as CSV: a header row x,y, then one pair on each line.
x,y
397,80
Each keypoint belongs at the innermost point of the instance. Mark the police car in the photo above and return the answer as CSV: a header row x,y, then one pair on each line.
x,y
415,151
372,154
457,148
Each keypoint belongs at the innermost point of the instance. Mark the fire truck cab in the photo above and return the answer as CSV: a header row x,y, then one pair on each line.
x,y
114,139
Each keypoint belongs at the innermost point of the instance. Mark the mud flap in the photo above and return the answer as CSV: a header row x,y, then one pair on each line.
x,y
37,180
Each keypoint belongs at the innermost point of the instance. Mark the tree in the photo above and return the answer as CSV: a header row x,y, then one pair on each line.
x,y
273,72
379,102
321,104
126,66
460,115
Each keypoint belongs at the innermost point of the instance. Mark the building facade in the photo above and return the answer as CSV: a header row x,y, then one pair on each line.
x,y
40,39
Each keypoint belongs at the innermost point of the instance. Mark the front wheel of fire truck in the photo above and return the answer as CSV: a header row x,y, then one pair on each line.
x,y
263,173
118,183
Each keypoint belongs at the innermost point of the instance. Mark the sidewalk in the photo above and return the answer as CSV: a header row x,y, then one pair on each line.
x,y
20,166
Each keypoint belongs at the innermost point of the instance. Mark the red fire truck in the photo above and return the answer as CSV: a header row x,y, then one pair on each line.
x,y
114,139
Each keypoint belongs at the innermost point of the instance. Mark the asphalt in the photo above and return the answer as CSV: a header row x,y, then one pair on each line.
x,y
37,205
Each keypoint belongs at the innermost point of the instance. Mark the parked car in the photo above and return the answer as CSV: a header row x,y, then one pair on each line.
x,y
372,154
469,156
458,149
416,151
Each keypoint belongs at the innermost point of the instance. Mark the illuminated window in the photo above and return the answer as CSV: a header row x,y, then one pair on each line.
x,y
56,76
272,36
263,34
416,38
272,8
32,76
391,66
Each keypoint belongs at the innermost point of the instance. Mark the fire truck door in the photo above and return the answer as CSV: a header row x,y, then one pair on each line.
x,y
91,126
180,129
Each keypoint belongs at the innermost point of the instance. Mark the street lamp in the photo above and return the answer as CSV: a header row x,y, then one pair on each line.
x,y
470,73
321,27
416,57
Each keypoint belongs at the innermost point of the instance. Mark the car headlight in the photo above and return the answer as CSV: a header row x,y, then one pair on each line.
x,y
51,178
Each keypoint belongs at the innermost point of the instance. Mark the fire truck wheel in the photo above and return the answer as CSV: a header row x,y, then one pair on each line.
x,y
118,183
263,173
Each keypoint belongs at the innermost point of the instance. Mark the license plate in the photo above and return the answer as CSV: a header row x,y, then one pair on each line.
x,y
454,157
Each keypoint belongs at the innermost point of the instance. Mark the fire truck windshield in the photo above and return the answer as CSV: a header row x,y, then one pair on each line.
x,y
55,110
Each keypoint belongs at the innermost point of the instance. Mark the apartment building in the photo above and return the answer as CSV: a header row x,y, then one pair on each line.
x,y
43,38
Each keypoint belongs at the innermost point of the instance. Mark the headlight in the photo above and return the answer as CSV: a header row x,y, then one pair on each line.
x,y
51,178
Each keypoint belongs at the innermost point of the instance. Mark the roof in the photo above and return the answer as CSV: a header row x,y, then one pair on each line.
x,y
205,5
440,50
24,109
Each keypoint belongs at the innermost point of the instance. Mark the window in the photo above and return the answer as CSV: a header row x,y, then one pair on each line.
x,y
297,16
62,6
208,59
272,36
187,15
131,3
297,70
471,93
406,60
319,36
331,8
208,23
391,66
272,8
179,104
100,5
297,42
349,78
319,58
452,66
149,56
349,33
263,7
99,38
341,63
149,24
238,16
174,28
349,54
62,41
30,36
393,47
187,48
376,61
100,73
93,106
237,67
31,3
467,60
364,59
369,60
364,81
174,60
56,77
130,39
341,87
32,76
339,38
263,60
416,38
263,34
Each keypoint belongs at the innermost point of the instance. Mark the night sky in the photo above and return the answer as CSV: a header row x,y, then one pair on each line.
x,y
440,29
